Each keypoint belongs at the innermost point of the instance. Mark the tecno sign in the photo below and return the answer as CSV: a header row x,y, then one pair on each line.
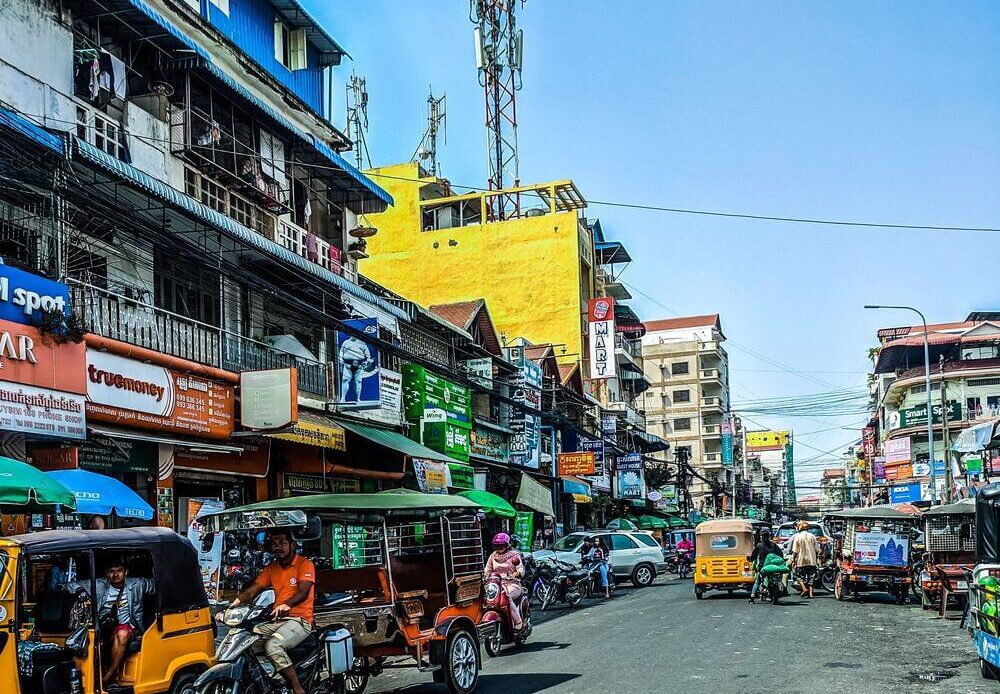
x,y
129,384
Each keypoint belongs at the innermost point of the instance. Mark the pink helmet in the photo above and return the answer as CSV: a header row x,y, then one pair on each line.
x,y
501,539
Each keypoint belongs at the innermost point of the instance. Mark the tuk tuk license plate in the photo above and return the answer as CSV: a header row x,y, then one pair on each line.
x,y
962,585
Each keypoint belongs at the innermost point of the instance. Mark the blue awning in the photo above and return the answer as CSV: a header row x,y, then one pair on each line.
x,y
227,225
374,198
612,252
32,131
575,487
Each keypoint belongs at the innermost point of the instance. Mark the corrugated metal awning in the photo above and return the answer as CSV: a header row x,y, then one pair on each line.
x,y
394,440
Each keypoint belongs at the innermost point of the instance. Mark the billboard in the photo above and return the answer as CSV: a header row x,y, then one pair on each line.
x,y
601,319
629,478
358,383
26,297
897,451
766,440
881,549
579,463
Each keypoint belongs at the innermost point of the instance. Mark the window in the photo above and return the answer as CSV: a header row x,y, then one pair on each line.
x,y
980,352
100,131
682,424
223,6
724,542
682,396
679,368
973,407
289,46
619,541
645,540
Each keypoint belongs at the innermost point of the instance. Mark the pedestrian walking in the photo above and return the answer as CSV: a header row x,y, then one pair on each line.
x,y
804,561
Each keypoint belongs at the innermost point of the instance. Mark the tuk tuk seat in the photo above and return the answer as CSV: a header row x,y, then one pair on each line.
x,y
421,573
369,583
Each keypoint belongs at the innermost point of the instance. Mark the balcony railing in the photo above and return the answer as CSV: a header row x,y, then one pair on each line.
x,y
711,458
320,251
711,430
710,374
711,402
136,322
629,347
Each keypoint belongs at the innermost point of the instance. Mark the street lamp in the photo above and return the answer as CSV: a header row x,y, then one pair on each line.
x,y
927,383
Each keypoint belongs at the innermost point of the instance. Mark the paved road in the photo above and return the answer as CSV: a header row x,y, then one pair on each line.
x,y
661,639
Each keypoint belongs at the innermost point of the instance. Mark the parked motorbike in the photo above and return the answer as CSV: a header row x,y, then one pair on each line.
x,y
595,587
240,669
496,608
536,579
568,584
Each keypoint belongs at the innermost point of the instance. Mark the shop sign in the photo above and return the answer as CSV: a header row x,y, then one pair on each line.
x,y
461,476
423,391
31,358
130,392
524,530
535,495
902,471
480,371
254,461
118,455
924,469
25,297
881,549
296,483
629,461
526,428
447,438
904,493
309,432
432,476
609,423
726,430
596,447
631,484
41,411
654,496
868,441
358,382
269,399
897,451
974,466
601,319
668,493
579,463
488,444
914,416
50,459
390,406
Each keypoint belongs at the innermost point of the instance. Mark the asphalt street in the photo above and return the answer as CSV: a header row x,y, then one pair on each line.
x,y
660,639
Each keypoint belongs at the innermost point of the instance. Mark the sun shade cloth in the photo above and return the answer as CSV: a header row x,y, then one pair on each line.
x,y
492,504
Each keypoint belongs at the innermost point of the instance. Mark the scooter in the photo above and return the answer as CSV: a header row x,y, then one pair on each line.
x,y
240,669
772,588
496,608
595,587
567,585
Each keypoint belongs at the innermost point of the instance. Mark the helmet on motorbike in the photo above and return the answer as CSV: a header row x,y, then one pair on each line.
x,y
501,539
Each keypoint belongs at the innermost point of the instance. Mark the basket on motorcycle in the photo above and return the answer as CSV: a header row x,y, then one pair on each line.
x,y
339,651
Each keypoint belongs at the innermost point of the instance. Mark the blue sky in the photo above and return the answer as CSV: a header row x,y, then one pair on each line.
x,y
885,112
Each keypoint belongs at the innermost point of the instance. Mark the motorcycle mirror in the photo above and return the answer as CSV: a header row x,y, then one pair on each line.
x,y
311,531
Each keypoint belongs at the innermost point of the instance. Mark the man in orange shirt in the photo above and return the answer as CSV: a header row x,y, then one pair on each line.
x,y
292,577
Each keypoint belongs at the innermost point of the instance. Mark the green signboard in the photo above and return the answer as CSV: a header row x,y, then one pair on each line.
x,y
426,396
447,438
524,529
462,476
914,416
348,545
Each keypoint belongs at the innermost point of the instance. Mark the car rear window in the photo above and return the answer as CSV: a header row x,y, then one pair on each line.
x,y
724,542
646,540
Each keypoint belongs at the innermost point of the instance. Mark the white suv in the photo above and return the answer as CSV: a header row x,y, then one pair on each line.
x,y
635,555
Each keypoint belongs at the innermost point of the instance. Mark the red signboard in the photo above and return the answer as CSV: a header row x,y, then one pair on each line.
x,y
50,459
31,358
600,309
579,463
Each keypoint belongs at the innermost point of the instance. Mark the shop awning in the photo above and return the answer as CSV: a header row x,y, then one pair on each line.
x,y
102,495
575,487
976,438
492,504
394,440
157,438
535,496
315,430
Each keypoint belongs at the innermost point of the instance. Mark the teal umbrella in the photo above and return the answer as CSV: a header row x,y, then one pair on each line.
x,y
26,489
492,504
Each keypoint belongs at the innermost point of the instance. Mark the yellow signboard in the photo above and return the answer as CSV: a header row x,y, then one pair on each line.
x,y
315,433
766,440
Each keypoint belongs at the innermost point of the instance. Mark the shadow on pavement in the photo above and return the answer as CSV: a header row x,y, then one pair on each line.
x,y
533,646
508,683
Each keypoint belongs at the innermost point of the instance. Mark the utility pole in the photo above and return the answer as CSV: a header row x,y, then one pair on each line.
x,y
945,434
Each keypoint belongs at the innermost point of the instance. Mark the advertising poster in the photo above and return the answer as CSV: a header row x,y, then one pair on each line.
x,y
390,409
897,451
629,477
881,549
210,561
358,384
727,440
524,529
432,476
601,319
25,297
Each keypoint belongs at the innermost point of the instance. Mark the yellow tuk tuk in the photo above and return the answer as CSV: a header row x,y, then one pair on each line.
x,y
722,556
50,628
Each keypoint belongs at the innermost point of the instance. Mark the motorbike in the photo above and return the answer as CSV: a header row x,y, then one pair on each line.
x,y
678,562
496,608
239,668
568,584
536,579
772,588
595,587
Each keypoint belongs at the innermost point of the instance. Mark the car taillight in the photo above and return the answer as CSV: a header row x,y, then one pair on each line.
x,y
746,567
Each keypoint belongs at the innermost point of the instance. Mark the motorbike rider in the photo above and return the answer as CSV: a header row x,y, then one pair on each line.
x,y
506,563
598,554
685,550
764,547
292,577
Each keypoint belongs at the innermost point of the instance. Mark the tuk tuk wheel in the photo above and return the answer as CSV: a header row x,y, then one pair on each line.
x,y
356,681
460,665
838,588
902,596
699,592
184,683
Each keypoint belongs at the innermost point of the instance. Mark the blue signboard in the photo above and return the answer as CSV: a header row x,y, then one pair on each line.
x,y
904,493
25,298
358,366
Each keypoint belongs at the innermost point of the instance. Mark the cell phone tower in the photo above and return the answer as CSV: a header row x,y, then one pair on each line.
x,y
357,118
437,123
499,50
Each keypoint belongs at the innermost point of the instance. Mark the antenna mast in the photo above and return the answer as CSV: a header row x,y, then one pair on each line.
x,y
437,121
357,118
498,57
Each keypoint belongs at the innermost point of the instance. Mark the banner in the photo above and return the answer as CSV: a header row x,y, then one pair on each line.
x,y
881,549
525,439
727,440
905,493
790,495
524,530
601,318
580,463
629,478
269,399
210,561
535,495
432,476
489,444
897,451
358,384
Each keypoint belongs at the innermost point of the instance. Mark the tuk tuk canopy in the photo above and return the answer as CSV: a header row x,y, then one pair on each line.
x,y
988,524
965,507
179,586
872,513
724,537
492,504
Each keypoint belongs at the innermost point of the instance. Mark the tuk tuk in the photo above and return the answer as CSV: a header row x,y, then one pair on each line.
x,y
50,635
402,572
672,537
873,554
722,556
949,547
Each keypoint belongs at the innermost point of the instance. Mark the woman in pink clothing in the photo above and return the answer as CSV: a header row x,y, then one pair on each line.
x,y
505,562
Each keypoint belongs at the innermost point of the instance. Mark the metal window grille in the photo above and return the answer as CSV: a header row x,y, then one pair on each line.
x,y
465,539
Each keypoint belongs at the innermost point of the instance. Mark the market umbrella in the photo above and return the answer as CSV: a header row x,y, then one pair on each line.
x,y
492,504
648,522
677,522
26,489
101,495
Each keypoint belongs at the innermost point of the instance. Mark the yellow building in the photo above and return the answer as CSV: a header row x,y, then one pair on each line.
x,y
535,271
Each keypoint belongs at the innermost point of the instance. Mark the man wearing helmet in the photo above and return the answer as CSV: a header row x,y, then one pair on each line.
x,y
506,563
764,547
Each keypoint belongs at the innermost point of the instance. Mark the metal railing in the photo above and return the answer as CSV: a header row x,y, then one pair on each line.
x,y
296,239
628,346
710,373
139,323
711,402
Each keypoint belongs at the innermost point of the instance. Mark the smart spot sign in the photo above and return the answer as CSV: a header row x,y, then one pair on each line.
x,y
25,298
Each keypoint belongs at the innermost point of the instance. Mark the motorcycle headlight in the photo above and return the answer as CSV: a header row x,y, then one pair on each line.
x,y
234,616
492,591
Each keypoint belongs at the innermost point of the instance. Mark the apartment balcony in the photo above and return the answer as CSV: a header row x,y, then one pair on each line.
x,y
711,376
628,351
633,417
711,458
136,322
711,404
711,431
708,347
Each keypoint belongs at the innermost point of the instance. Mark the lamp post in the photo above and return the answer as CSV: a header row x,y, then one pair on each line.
x,y
927,383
